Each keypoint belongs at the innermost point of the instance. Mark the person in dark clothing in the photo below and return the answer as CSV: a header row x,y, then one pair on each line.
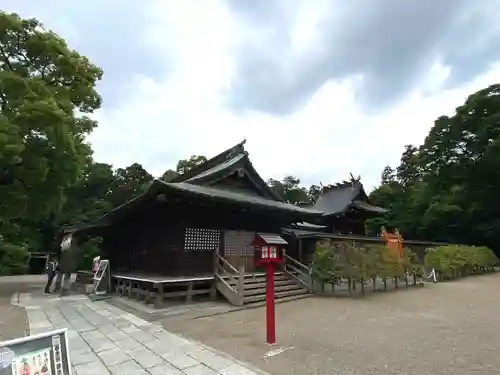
x,y
52,269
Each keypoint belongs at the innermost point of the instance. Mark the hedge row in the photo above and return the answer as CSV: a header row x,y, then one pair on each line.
x,y
345,262
454,261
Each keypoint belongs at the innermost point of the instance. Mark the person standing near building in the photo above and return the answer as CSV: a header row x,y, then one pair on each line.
x,y
52,268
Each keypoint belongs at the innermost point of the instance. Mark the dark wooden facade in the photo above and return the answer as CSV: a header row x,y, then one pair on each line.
x,y
174,228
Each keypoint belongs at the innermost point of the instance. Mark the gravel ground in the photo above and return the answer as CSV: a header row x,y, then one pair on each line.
x,y
447,328
13,318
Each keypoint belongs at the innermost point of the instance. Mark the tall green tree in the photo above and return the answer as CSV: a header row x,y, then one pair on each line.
x,y
290,190
46,92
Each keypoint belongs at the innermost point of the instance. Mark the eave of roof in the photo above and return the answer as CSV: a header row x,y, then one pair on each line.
x,y
230,196
364,206
305,234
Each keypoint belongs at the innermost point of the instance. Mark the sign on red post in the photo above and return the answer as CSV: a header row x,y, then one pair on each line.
x,y
268,253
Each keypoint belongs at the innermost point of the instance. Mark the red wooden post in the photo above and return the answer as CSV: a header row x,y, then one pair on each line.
x,y
268,253
270,317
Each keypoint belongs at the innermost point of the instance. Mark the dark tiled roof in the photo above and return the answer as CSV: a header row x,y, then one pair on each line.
x,y
272,239
227,165
231,196
339,198
212,162
306,225
223,165
364,206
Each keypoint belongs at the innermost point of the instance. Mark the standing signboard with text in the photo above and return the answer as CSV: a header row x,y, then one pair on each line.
x,y
43,354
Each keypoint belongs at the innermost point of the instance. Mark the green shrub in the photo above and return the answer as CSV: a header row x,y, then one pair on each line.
x,y
333,263
451,261
13,259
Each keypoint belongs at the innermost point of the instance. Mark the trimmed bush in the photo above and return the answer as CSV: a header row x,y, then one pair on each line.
x,y
344,262
452,261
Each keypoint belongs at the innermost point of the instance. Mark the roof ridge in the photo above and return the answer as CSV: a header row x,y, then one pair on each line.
x,y
213,161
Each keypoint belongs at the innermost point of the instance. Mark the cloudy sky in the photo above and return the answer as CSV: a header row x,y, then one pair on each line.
x,y
319,88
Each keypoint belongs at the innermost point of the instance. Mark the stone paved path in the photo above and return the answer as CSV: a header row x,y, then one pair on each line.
x,y
104,339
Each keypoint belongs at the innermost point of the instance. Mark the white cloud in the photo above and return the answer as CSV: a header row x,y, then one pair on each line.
x,y
185,113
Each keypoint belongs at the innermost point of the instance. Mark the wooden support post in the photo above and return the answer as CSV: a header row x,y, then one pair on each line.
x,y
189,294
213,291
129,288
159,296
216,261
149,290
241,282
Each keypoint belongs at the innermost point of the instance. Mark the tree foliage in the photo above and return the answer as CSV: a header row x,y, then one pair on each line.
x,y
346,262
44,89
446,189
453,261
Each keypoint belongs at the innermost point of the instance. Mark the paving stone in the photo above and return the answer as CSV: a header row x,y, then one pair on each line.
x,y
200,370
93,368
130,345
131,328
164,369
93,335
127,368
83,327
121,323
118,336
142,336
113,357
153,329
78,345
172,340
156,346
179,360
102,345
124,343
79,358
236,369
146,358
211,359
107,328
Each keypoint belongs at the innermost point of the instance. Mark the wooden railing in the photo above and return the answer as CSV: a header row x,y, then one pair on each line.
x,y
298,271
229,280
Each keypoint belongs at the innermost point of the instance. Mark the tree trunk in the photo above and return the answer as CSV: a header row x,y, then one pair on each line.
x,y
362,286
349,287
385,284
396,282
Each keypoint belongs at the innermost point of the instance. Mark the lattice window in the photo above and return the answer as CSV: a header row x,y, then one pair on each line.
x,y
200,239
238,243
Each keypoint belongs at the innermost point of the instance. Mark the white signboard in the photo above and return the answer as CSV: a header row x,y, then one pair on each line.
x,y
42,354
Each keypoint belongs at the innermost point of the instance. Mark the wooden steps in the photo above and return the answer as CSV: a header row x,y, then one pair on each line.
x,y
255,288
